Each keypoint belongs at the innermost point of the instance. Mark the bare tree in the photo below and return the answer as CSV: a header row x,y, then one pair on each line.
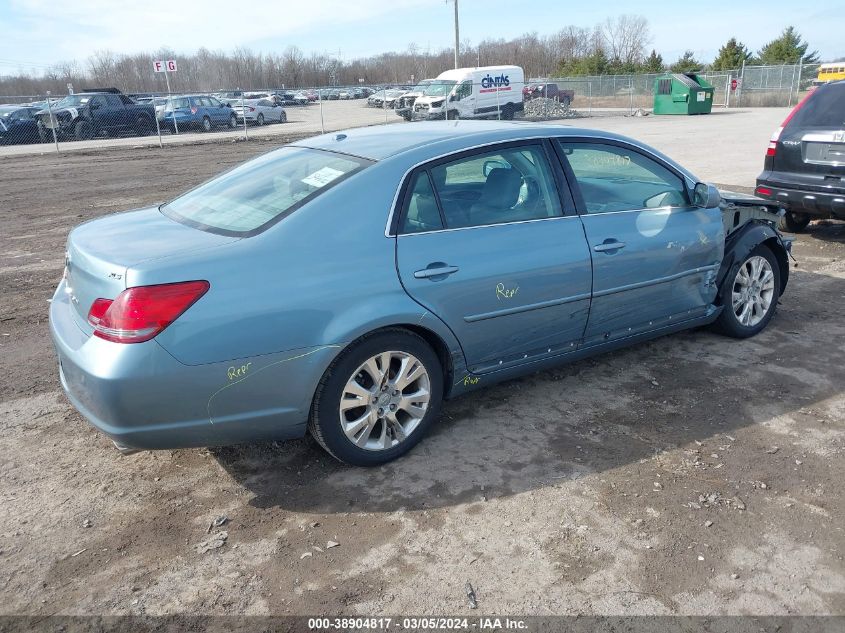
x,y
625,38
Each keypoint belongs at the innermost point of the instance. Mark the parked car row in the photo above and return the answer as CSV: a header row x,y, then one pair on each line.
x,y
106,111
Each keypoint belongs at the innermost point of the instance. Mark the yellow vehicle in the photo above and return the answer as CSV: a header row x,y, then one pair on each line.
x,y
830,72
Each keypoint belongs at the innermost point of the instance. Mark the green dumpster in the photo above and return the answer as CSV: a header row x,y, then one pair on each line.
x,y
685,93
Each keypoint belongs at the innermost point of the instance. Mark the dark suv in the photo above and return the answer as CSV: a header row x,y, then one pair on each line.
x,y
804,168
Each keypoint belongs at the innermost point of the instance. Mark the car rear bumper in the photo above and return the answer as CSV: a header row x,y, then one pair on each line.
x,y
799,200
143,398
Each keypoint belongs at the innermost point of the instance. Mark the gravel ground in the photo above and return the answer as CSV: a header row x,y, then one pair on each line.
x,y
690,475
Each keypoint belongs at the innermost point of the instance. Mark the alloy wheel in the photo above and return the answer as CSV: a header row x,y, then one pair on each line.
x,y
753,291
385,400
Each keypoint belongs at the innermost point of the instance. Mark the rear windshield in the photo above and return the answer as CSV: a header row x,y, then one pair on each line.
x,y
825,108
180,103
259,193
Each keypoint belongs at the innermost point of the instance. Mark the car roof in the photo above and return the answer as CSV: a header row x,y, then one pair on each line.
x,y
435,138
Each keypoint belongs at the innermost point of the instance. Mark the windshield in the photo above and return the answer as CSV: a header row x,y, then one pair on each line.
x,y
251,197
73,101
439,88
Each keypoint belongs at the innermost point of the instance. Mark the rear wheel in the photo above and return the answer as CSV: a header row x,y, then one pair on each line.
x,y
750,294
206,124
507,112
233,121
143,127
260,120
378,398
565,102
794,222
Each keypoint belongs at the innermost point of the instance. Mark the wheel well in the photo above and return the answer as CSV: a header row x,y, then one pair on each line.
x,y
440,348
783,260
435,342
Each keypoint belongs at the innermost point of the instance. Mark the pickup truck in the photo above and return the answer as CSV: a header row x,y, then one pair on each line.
x,y
549,91
88,114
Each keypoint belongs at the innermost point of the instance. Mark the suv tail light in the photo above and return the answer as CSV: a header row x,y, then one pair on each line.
x,y
773,142
141,313
251,109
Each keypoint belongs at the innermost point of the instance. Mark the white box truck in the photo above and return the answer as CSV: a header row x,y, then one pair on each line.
x,y
473,93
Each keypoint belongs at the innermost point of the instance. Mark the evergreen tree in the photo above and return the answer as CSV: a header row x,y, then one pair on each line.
x,y
687,63
653,63
731,55
788,49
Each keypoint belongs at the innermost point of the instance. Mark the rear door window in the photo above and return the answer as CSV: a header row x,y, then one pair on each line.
x,y
513,184
257,194
823,109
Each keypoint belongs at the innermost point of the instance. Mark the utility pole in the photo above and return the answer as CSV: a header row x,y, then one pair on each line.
x,y
457,36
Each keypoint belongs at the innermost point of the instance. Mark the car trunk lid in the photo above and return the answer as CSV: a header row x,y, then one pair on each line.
x,y
100,252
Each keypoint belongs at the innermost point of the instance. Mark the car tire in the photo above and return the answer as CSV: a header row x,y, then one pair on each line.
x,y
283,117
375,440
794,222
756,278
83,131
143,126
233,121
452,115
507,112
206,124
259,120
43,134
565,102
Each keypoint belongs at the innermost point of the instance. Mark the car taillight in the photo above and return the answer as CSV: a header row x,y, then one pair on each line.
x,y
141,313
772,149
763,191
251,109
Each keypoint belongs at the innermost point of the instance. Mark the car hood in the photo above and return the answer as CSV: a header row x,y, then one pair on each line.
x,y
747,200
74,112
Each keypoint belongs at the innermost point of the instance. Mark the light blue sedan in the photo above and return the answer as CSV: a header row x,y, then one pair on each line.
x,y
346,284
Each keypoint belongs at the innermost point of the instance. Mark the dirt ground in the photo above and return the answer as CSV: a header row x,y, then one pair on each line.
x,y
691,475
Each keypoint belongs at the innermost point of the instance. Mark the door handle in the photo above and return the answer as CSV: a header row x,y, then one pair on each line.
x,y
609,245
435,270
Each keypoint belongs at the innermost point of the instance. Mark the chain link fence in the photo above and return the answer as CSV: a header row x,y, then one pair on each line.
x,y
92,119
748,86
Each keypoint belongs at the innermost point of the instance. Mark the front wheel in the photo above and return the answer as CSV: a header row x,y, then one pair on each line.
x,y
206,124
260,120
83,130
378,398
750,294
233,121
794,222
453,115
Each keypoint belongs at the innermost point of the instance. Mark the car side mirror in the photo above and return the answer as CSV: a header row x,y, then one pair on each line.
x,y
705,196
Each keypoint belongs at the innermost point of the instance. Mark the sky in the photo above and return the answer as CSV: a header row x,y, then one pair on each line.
x,y
35,34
